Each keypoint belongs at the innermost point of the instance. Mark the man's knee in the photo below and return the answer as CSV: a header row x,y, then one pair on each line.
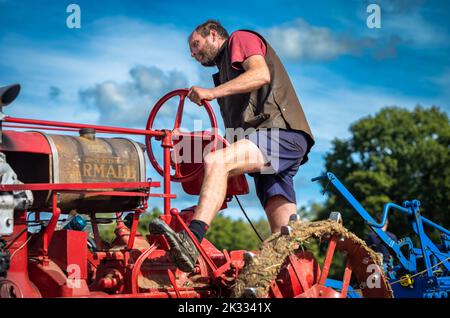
x,y
215,160
279,206
277,201
240,157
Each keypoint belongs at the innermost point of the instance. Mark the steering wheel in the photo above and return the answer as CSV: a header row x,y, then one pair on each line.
x,y
182,93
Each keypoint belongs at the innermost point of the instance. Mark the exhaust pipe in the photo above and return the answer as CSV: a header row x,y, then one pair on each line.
x,y
8,94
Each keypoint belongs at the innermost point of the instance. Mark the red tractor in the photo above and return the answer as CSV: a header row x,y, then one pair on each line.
x,y
73,178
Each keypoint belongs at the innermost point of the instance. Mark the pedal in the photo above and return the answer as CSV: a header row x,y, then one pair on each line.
x,y
286,230
336,217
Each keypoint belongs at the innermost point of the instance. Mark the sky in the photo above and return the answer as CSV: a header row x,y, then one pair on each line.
x,y
128,54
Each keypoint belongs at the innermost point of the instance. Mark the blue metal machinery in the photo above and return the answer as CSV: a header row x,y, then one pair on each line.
x,y
422,272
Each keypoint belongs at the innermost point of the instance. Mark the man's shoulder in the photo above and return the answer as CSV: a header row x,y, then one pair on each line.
x,y
243,31
372,236
246,34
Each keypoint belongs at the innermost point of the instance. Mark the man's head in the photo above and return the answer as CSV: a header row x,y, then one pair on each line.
x,y
385,227
206,40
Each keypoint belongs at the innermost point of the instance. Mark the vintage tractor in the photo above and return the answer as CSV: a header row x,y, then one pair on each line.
x,y
53,185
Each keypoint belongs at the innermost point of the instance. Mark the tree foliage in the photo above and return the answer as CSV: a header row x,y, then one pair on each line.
x,y
226,233
146,218
106,231
393,156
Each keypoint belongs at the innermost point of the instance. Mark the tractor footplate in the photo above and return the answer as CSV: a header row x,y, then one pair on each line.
x,y
182,250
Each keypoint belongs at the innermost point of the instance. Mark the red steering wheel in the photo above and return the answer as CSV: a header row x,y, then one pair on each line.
x,y
182,93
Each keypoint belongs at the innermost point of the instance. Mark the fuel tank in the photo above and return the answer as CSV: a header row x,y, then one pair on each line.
x,y
37,157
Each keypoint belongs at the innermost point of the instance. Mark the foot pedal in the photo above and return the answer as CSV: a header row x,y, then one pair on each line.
x,y
336,217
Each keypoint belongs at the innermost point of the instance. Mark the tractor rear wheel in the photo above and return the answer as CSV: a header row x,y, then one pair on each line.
x,y
286,266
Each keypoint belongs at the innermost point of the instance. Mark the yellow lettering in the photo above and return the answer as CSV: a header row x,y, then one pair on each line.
x,y
111,172
120,172
99,170
131,173
87,170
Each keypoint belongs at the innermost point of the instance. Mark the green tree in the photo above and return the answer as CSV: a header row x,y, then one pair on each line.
x,y
229,234
106,231
394,156
309,212
224,232
146,218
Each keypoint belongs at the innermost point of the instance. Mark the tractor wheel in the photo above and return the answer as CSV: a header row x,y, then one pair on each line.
x,y
286,266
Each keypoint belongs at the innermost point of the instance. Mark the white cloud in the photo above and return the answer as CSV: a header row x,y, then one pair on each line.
x,y
405,20
125,103
102,54
403,24
416,30
300,40
331,105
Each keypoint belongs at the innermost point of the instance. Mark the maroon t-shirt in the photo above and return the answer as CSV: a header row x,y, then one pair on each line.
x,y
244,44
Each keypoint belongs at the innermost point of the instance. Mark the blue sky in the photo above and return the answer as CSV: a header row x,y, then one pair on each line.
x,y
127,54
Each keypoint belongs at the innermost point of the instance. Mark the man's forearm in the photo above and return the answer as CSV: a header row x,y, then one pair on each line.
x,y
246,82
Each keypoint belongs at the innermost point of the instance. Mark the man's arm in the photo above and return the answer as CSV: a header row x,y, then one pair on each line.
x,y
256,75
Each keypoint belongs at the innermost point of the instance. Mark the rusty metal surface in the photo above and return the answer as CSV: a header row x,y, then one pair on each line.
x,y
46,158
79,159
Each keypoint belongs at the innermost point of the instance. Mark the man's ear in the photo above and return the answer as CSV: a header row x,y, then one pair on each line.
x,y
214,35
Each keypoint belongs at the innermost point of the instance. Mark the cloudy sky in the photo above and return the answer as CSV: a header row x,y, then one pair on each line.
x,y
127,54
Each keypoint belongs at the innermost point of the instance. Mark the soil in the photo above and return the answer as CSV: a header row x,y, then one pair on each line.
x,y
262,269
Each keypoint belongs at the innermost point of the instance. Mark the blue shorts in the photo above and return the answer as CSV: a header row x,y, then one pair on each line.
x,y
283,151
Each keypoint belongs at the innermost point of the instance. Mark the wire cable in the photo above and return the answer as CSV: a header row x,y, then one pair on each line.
x,y
22,246
422,272
248,219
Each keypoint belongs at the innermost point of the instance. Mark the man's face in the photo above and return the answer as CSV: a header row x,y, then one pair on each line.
x,y
204,49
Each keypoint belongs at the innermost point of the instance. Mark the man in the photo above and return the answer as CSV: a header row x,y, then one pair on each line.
x,y
254,92
375,243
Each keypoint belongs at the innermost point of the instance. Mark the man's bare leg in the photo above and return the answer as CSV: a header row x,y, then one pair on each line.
x,y
278,210
240,157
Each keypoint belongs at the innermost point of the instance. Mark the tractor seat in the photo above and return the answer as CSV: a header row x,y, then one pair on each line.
x,y
237,185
